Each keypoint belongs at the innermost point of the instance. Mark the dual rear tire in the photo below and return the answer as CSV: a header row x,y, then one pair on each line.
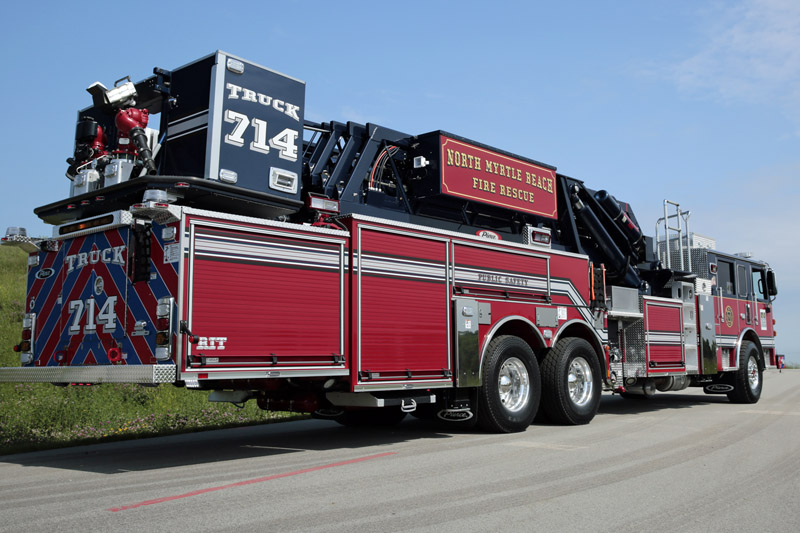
x,y
568,385
571,382
509,397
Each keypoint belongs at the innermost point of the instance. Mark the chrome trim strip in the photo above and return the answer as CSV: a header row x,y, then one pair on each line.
x,y
352,399
183,239
217,374
402,385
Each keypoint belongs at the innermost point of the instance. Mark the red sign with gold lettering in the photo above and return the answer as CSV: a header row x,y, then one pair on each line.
x,y
482,175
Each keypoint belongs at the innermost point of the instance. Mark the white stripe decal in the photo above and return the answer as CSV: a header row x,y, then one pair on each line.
x,y
664,338
494,278
396,267
266,252
189,123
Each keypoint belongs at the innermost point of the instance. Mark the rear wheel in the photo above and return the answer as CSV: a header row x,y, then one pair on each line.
x,y
509,397
571,382
747,382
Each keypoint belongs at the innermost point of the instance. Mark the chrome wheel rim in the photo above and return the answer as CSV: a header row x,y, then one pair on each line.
x,y
513,384
752,373
579,381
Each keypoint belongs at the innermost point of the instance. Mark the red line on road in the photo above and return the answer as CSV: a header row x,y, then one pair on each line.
x,y
247,482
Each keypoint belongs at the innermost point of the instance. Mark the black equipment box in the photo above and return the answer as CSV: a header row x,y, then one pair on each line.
x,y
235,128
247,119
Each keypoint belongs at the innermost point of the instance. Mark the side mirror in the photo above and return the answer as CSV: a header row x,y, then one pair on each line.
x,y
772,286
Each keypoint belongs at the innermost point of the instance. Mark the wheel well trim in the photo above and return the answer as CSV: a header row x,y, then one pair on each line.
x,y
593,338
749,334
492,333
580,324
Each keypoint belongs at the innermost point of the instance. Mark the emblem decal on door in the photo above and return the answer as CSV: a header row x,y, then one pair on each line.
x,y
729,316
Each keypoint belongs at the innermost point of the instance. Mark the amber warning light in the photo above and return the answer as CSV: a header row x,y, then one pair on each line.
x,y
88,224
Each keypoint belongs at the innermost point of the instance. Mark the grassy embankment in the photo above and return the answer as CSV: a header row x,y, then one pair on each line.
x,y
36,416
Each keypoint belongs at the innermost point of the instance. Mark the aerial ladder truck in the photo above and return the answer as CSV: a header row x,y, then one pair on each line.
x,y
361,273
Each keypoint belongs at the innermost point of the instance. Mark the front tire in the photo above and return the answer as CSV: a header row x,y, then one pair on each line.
x,y
571,382
509,397
748,380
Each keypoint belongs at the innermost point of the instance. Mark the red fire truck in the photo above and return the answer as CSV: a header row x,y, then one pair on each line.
x,y
361,273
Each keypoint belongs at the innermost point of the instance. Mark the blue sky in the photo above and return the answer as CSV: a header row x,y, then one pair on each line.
x,y
694,101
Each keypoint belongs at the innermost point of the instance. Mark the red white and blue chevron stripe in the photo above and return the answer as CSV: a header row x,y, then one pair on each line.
x,y
85,303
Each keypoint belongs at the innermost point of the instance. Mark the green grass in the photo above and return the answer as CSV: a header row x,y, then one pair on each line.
x,y
13,267
37,416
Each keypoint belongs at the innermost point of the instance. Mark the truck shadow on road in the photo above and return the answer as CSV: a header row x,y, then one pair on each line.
x,y
261,441
270,440
617,405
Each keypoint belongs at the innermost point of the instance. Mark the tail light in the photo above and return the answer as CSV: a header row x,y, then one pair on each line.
x,y
150,205
25,347
540,237
537,236
114,355
320,203
164,328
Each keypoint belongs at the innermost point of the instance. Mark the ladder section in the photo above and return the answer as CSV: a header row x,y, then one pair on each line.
x,y
674,215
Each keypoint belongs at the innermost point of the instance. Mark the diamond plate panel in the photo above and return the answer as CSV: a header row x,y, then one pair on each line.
x,y
634,351
91,374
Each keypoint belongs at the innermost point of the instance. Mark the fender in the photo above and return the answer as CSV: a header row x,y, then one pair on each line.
x,y
753,336
493,332
593,337
597,341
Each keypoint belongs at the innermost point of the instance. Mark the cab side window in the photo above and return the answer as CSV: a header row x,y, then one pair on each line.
x,y
742,279
759,284
726,278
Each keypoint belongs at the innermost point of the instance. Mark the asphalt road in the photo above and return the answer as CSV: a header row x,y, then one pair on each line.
x,y
680,461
